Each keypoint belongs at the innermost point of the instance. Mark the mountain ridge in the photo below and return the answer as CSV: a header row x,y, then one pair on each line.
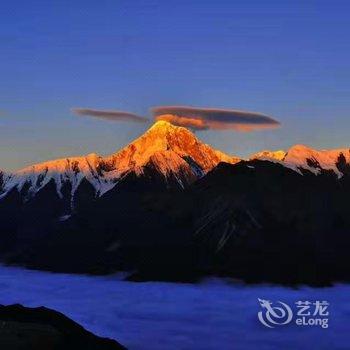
x,y
169,148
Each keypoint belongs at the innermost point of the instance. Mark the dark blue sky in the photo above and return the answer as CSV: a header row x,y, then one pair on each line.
x,y
287,59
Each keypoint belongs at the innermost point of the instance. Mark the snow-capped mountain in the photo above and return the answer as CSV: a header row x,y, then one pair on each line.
x,y
302,158
172,151
127,211
62,171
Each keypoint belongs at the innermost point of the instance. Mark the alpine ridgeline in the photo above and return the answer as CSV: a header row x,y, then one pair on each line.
x,y
168,206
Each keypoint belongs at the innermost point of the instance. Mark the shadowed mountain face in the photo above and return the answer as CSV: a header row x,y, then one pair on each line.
x,y
1,179
262,221
42,329
177,212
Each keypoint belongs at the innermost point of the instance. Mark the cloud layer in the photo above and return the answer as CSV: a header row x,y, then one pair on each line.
x,y
213,118
110,115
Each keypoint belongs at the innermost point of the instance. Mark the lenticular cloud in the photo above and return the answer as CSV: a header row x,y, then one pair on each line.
x,y
112,115
214,118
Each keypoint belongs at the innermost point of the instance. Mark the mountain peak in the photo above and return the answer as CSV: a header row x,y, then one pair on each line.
x,y
269,155
165,137
164,129
163,125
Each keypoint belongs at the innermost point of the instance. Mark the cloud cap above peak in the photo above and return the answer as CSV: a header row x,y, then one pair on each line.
x,y
112,115
214,118
192,123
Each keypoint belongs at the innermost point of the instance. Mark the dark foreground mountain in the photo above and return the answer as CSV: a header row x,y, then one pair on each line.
x,y
44,329
283,217
262,221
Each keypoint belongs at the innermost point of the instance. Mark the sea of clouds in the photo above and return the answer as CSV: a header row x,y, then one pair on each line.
x,y
213,314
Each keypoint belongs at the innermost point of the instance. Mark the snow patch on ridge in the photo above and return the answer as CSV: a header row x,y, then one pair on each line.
x,y
300,157
303,157
68,170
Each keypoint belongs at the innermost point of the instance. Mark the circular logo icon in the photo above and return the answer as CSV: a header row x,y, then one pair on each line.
x,y
272,316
